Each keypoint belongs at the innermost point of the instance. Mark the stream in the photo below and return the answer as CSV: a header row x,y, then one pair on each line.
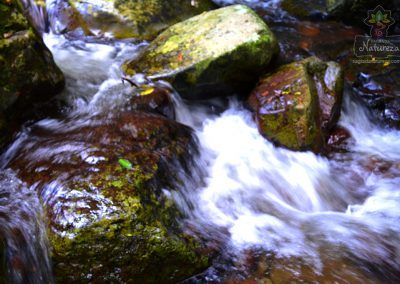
x,y
305,211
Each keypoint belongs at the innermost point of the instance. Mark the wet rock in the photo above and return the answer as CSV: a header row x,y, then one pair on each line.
x,y
305,9
354,11
380,92
154,98
328,40
122,18
349,11
328,79
106,183
28,73
338,140
298,105
295,270
216,53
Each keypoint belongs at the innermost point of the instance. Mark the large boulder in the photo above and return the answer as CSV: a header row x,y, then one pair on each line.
x,y
122,18
215,53
106,185
28,73
299,104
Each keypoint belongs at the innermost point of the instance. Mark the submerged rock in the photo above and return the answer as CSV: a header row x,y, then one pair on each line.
x,y
122,18
213,54
298,105
339,140
28,73
106,185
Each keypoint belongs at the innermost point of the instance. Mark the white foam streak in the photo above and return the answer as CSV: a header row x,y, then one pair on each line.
x,y
290,202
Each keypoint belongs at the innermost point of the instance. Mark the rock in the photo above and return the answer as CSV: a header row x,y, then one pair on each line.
x,y
154,98
354,10
328,79
295,270
305,9
213,54
104,185
349,11
297,105
338,140
122,18
328,40
28,73
379,92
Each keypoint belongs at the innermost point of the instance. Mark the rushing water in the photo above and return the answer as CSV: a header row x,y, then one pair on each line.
x,y
254,194
22,233
300,204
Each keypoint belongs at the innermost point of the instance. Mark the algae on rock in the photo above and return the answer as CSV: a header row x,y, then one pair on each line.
x,y
299,104
123,18
216,53
107,222
28,73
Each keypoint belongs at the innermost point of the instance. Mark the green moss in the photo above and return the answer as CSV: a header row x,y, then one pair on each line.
x,y
137,249
147,18
11,20
217,50
290,116
28,73
133,238
108,223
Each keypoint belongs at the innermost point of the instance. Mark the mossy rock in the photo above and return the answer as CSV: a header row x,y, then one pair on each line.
x,y
125,18
297,104
28,73
109,217
213,54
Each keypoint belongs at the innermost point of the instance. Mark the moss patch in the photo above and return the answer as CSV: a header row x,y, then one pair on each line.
x,y
109,223
28,73
212,53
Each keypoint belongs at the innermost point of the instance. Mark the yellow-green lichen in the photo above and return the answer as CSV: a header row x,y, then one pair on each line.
x,y
209,49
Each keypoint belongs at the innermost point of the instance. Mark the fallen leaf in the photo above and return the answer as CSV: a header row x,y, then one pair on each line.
x,y
125,164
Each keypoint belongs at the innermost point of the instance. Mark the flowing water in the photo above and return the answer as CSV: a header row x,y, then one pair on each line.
x,y
23,233
254,197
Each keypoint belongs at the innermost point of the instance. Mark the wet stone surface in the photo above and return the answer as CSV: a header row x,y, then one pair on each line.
x,y
104,182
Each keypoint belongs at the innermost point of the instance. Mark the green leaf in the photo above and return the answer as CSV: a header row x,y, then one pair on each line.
x,y
125,164
385,19
379,16
372,21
